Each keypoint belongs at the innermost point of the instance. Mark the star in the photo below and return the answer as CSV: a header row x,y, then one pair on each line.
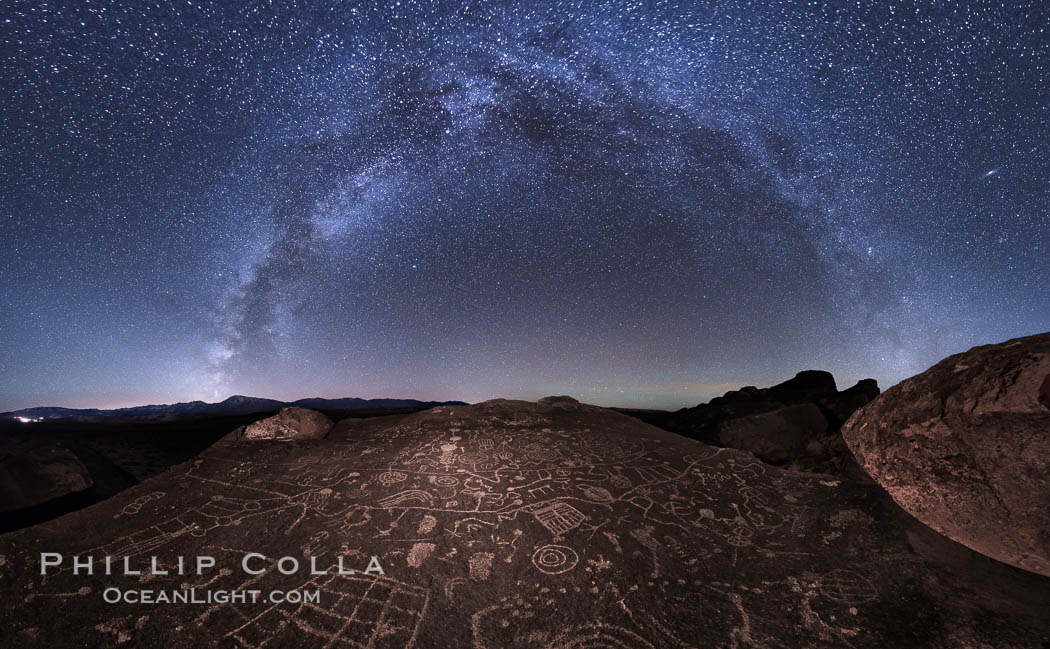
x,y
638,204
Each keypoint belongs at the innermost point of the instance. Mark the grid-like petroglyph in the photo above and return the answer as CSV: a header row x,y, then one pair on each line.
x,y
356,611
503,524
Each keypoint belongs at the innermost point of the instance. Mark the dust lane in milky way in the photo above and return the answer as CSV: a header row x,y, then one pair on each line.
x,y
638,205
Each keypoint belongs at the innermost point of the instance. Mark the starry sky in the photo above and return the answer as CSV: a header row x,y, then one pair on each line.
x,y
636,203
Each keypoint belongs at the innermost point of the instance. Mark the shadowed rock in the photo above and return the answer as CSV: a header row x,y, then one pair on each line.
x,y
806,386
965,447
704,421
823,451
288,425
548,525
41,474
842,405
779,435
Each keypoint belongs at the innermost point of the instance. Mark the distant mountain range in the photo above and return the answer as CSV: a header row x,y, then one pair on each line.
x,y
235,405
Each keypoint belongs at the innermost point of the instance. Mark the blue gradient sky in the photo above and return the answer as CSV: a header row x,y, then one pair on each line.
x,y
639,204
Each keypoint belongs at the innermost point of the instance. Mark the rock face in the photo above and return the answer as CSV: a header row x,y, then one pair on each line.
x,y
779,435
39,475
703,422
287,425
506,524
823,451
840,406
965,447
806,386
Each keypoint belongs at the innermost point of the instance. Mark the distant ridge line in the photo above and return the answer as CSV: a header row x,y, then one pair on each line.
x,y
235,405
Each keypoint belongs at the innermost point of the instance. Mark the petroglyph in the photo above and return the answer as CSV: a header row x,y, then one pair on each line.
x,y
554,559
426,525
847,586
502,524
136,505
559,517
481,565
419,553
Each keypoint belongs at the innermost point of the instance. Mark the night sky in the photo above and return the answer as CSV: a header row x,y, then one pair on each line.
x,y
635,203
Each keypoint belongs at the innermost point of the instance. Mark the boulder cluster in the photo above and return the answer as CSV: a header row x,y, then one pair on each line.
x,y
794,424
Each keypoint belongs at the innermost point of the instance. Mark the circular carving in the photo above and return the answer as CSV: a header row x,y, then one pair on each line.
x,y
391,477
555,559
446,481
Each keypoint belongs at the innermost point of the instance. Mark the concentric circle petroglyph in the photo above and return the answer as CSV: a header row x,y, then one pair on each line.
x,y
446,481
555,559
673,546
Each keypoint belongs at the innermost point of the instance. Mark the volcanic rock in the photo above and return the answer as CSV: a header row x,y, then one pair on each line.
x,y
779,435
827,454
39,475
703,422
513,524
965,447
841,405
287,425
806,386
559,402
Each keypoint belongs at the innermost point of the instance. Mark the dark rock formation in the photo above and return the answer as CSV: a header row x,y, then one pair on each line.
x,y
559,402
826,454
806,387
39,475
512,524
839,406
703,422
289,424
965,447
777,436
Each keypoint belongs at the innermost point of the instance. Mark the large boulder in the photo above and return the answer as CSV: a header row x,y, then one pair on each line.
x,y
39,475
965,448
777,436
288,425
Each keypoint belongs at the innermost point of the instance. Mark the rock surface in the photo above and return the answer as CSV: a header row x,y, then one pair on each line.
x,y
827,454
287,425
965,447
840,406
779,435
39,475
703,422
515,525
